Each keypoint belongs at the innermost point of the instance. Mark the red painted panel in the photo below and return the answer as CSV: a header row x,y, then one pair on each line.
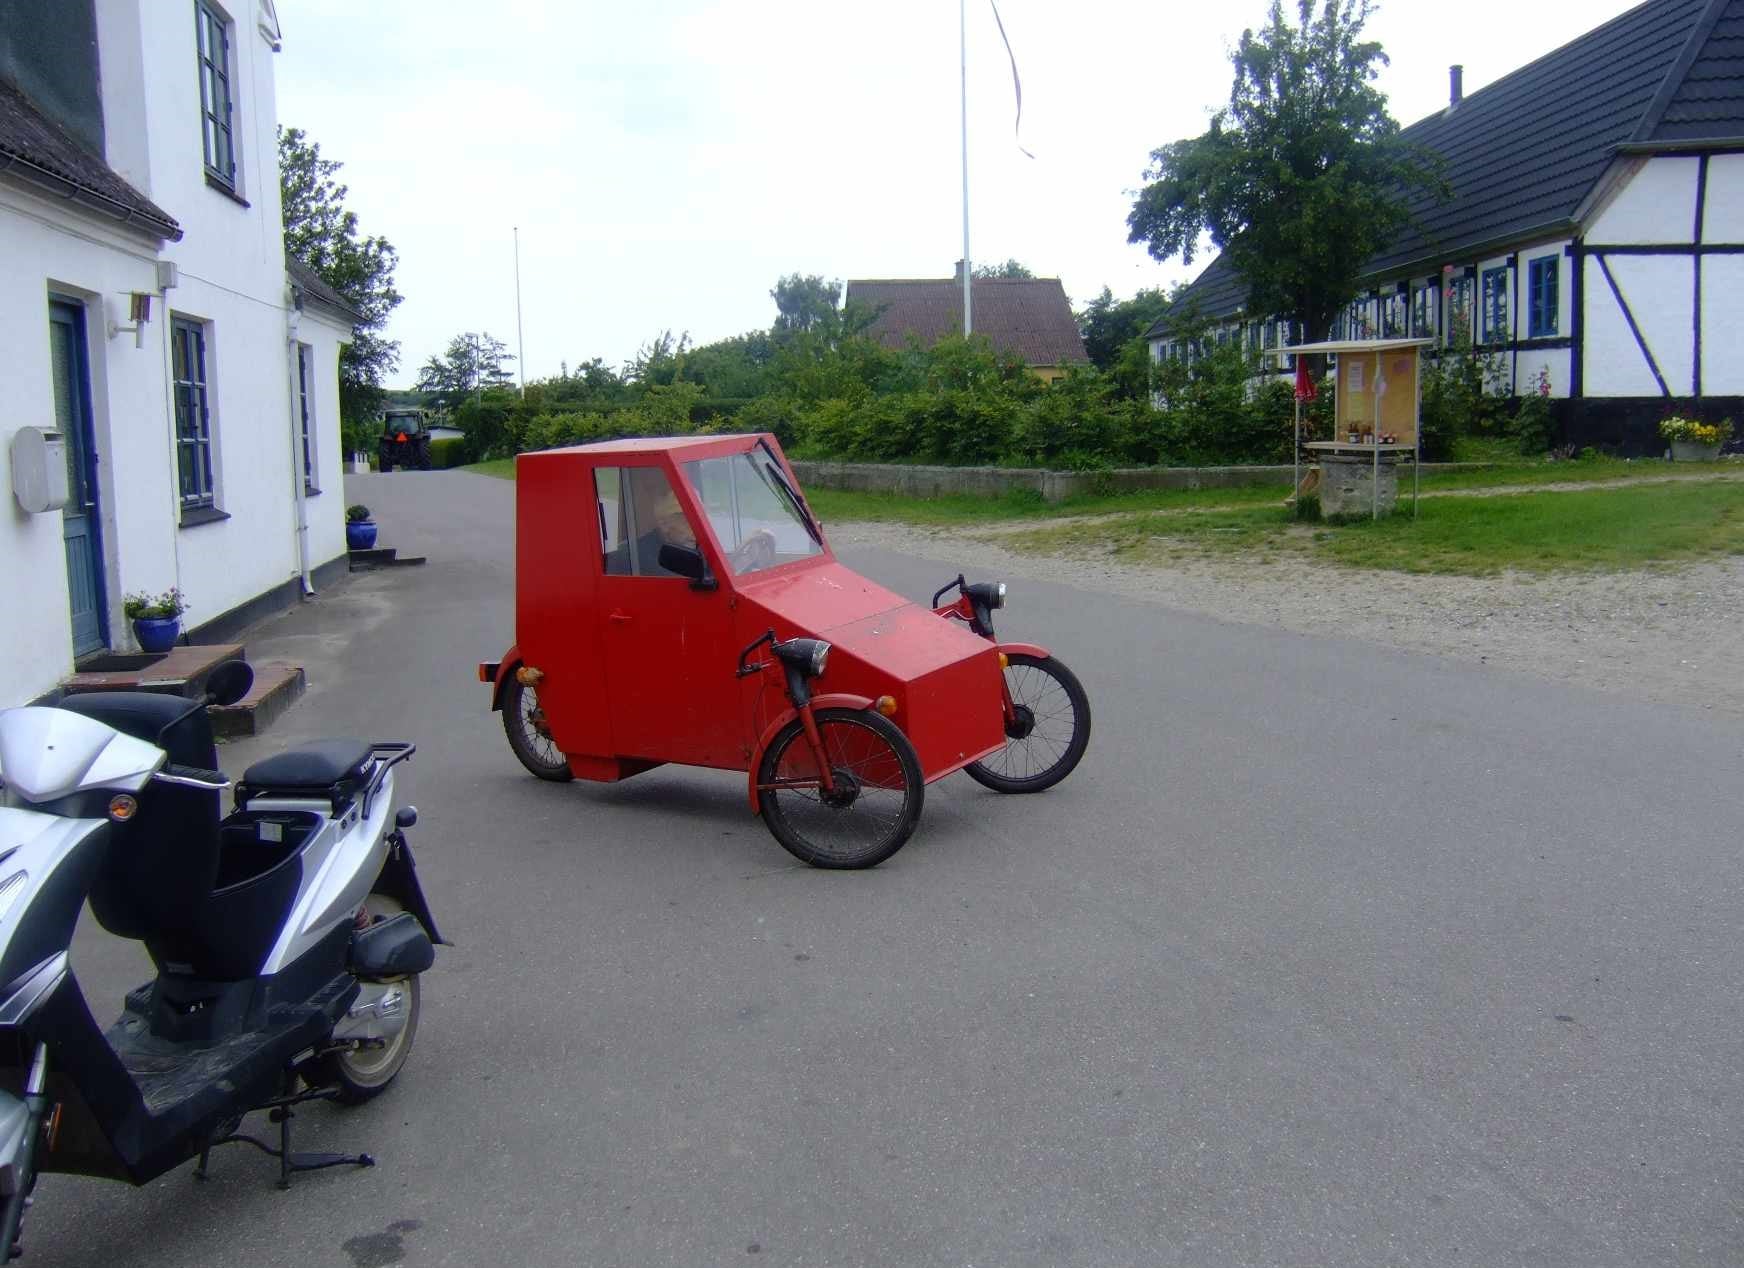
x,y
557,566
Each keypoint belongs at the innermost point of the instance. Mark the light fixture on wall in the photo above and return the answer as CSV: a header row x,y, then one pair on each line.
x,y
139,312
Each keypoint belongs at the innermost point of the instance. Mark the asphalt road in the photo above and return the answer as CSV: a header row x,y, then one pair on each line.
x,y
1326,955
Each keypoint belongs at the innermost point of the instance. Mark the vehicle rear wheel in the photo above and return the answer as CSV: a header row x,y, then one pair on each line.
x,y
1048,737
424,459
363,1074
876,800
529,736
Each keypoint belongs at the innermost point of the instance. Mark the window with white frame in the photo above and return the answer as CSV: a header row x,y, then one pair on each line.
x,y
217,103
1423,308
1459,295
1542,279
306,415
191,370
1495,301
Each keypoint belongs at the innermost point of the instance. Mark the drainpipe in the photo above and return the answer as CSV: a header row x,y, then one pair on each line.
x,y
293,315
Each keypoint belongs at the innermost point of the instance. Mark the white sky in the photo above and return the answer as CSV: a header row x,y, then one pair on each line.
x,y
666,161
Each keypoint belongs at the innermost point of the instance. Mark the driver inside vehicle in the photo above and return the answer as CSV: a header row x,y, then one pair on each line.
x,y
664,522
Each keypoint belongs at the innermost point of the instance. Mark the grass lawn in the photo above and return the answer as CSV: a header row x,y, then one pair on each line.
x,y
501,468
1534,532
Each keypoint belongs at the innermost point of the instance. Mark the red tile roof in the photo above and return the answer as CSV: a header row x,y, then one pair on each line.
x,y
1026,316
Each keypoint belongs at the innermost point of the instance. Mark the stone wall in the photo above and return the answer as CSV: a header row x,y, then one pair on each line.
x,y
1055,486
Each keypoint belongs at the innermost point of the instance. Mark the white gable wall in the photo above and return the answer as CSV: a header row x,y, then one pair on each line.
x,y
1657,205
1723,220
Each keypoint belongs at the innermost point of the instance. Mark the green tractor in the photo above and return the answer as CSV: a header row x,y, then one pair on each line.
x,y
405,440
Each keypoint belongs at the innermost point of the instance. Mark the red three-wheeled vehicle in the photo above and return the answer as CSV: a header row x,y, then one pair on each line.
x,y
677,601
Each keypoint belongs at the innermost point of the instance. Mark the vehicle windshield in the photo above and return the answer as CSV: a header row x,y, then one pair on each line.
x,y
753,513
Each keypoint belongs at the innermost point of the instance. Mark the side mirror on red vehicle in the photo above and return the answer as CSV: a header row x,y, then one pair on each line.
x,y
687,562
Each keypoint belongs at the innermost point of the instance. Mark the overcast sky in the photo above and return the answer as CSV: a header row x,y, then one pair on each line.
x,y
666,161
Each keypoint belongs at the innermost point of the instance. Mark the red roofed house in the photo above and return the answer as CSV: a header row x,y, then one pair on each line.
x,y
1029,317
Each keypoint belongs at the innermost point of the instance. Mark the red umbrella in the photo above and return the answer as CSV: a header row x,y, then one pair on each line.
x,y
1305,389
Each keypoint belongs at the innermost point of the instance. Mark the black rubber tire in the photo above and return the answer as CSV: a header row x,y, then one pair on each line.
x,y
788,812
359,1079
539,754
1068,756
424,458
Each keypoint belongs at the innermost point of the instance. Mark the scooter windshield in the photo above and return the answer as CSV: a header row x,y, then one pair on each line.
x,y
755,514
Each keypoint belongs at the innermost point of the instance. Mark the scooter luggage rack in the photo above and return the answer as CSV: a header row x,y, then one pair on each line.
x,y
279,1111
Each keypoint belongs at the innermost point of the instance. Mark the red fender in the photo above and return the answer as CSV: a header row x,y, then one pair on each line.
x,y
1024,649
510,662
834,700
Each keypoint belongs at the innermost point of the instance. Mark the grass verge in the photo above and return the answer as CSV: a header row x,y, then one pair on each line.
x,y
1541,532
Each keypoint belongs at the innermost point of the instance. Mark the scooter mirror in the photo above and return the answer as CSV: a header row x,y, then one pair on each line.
x,y
229,682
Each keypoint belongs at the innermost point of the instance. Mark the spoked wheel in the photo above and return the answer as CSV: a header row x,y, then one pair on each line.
x,y
875,802
529,736
364,1073
1045,739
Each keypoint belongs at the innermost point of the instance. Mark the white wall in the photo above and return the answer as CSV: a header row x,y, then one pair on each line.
x,y
1657,206
89,261
1723,326
1659,292
326,513
232,278
1724,219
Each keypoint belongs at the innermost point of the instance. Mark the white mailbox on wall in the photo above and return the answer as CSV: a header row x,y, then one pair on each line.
x,y
39,469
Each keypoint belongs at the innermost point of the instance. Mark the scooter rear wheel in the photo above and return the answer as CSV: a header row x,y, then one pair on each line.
x,y
529,737
876,801
365,1073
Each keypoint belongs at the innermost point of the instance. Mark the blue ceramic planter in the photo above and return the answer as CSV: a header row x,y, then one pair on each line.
x,y
157,633
360,534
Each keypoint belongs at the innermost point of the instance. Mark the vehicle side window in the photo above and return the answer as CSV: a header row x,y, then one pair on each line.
x,y
638,513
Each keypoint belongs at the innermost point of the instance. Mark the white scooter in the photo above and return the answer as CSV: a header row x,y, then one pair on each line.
x,y
288,937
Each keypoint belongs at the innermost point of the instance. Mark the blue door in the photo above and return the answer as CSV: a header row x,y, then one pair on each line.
x,y
79,521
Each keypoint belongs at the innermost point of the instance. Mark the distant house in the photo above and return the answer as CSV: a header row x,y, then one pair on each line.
x,y
151,319
1028,317
1595,234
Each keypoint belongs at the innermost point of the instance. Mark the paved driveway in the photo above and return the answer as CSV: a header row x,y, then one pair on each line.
x,y
1327,955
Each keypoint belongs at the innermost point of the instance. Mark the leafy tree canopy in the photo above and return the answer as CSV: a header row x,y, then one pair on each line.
x,y
472,363
1107,323
803,302
1302,178
1011,268
323,234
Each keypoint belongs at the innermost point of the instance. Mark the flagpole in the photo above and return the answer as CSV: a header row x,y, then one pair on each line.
x,y
520,339
963,48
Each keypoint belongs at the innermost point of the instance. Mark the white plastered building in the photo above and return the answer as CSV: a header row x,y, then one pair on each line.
x,y
153,323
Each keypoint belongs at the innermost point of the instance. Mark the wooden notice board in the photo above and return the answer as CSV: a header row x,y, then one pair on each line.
x,y
1392,375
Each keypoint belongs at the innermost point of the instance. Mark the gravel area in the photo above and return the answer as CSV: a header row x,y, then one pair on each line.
x,y
1673,634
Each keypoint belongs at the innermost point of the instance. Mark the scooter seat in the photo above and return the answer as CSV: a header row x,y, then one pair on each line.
x,y
320,764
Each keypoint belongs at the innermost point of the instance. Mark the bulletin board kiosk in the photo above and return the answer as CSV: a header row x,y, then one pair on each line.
x,y
1376,394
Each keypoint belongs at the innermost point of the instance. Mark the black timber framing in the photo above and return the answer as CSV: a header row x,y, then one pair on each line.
x,y
1696,263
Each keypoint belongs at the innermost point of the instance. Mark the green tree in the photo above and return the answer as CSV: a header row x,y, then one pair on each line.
x,y
323,234
1302,178
803,302
1011,268
472,363
1107,324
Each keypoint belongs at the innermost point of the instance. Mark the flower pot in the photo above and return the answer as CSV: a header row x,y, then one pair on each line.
x,y
360,534
157,633
1690,451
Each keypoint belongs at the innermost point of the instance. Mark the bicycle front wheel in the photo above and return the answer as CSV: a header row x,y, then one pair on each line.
x,y
874,802
1048,735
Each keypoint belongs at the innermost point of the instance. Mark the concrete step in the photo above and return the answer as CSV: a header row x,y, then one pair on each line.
x,y
382,557
181,671
277,686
